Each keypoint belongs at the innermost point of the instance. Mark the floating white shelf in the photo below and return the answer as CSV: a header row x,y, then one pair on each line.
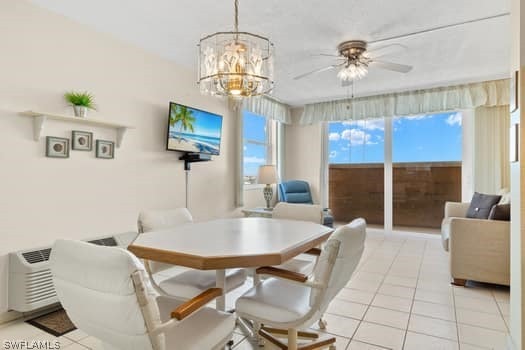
x,y
39,120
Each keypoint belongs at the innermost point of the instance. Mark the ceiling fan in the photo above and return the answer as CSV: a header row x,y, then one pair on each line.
x,y
354,60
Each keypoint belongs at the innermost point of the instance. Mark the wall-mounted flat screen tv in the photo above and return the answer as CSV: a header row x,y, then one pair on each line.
x,y
193,130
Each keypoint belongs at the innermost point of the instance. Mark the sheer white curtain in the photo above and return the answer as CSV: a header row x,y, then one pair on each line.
x,y
269,108
323,176
468,96
236,109
491,149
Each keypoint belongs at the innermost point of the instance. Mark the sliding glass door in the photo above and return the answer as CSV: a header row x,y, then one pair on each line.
x,y
356,171
426,157
396,171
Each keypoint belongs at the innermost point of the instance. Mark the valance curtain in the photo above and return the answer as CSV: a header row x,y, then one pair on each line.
x,y
468,96
268,107
491,149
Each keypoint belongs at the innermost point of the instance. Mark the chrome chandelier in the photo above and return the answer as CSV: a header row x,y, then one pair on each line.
x,y
235,64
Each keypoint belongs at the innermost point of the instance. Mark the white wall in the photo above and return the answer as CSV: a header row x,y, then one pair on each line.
x,y
303,153
42,56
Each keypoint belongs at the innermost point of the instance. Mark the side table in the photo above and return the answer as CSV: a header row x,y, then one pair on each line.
x,y
258,212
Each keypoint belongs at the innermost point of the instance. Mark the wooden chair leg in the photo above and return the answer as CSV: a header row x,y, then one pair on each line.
x,y
292,339
284,333
320,344
459,282
293,335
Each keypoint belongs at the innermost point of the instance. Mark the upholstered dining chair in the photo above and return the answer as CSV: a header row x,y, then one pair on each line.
x,y
290,302
107,294
304,263
189,283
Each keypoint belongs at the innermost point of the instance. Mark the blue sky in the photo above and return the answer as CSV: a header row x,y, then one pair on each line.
x,y
433,137
254,128
207,124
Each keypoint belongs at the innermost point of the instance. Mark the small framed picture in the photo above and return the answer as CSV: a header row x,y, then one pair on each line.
x,y
514,92
105,149
81,140
57,147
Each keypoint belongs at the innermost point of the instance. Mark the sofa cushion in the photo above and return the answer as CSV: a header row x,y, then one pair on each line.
x,y
500,212
481,205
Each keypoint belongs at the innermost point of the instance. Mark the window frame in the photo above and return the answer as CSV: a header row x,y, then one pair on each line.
x,y
270,143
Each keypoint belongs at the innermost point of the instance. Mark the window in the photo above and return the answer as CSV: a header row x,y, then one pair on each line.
x,y
360,141
258,140
427,138
411,190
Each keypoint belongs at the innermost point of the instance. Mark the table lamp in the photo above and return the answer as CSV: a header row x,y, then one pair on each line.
x,y
267,175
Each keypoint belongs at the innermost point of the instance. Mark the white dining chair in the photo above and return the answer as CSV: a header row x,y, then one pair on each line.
x,y
107,294
289,302
186,284
304,263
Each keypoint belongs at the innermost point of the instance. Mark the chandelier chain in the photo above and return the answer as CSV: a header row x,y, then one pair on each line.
x,y
236,16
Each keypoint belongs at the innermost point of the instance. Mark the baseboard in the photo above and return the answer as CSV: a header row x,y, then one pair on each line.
x,y
9,316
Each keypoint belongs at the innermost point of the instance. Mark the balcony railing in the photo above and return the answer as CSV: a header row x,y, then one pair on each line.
x,y
420,191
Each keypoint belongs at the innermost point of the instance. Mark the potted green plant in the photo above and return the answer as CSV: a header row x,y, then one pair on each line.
x,y
81,102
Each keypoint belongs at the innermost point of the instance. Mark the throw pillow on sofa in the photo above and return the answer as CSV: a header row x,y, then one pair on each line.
x,y
481,205
500,212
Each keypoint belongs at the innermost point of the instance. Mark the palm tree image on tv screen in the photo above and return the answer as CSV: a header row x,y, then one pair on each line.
x,y
193,130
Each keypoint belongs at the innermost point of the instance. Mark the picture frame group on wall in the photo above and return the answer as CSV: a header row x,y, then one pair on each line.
x,y
57,147
105,149
81,140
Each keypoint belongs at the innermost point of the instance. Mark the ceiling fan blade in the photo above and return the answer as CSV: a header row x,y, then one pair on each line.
x,y
326,55
317,71
386,50
396,67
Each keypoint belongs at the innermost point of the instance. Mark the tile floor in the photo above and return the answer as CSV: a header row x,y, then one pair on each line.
x,y
399,298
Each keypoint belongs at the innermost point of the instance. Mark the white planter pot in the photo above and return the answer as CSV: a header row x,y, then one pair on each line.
x,y
80,111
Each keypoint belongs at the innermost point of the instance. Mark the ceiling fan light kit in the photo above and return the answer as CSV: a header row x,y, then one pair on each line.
x,y
356,61
235,64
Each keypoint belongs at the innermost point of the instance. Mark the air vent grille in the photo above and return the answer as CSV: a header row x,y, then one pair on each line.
x,y
109,242
37,256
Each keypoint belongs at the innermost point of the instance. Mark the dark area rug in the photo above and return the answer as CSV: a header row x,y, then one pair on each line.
x,y
56,323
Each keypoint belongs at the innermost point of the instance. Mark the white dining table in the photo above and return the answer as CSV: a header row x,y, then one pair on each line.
x,y
230,243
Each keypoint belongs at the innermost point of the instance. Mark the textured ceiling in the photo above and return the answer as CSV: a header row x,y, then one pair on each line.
x,y
302,28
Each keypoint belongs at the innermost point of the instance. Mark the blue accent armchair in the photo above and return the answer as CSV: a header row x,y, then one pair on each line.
x,y
298,191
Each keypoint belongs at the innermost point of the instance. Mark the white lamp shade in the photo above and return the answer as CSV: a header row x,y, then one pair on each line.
x,y
267,174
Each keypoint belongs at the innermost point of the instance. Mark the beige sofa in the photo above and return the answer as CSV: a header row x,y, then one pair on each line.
x,y
479,249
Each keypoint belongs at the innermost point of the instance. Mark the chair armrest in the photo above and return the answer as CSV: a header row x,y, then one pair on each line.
x,y
195,303
456,209
314,251
282,273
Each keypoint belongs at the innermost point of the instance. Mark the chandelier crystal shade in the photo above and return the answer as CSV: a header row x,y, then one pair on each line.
x,y
235,64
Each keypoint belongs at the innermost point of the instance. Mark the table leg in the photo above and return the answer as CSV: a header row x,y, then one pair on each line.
x,y
220,282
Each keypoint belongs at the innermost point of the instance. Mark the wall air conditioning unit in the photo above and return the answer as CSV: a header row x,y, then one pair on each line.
x,y
30,280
